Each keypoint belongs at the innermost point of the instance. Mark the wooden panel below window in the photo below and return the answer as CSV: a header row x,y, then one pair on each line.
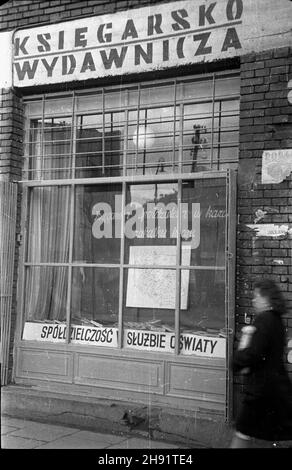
x,y
200,383
48,365
123,373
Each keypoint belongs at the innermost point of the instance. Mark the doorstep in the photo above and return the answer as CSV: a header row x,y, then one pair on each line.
x,y
189,428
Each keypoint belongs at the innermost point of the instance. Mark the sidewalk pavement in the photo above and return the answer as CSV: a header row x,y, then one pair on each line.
x,y
17,433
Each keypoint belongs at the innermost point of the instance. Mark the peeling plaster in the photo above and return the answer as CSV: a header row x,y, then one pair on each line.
x,y
271,230
259,215
278,261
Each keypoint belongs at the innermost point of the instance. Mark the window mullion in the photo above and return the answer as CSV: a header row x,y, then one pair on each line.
x,y
178,270
42,141
72,151
70,267
138,119
121,280
181,136
174,124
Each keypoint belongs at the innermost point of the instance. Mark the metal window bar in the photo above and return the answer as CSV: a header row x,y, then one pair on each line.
x,y
121,267
138,119
174,123
163,133
178,271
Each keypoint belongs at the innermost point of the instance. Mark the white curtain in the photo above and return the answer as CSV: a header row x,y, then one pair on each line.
x,y
48,233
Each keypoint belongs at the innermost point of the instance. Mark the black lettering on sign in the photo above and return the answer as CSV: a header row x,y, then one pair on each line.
x,y
229,9
66,60
203,38
154,23
165,45
129,337
44,331
20,46
61,40
213,344
231,40
50,330
42,38
178,16
87,334
179,48
130,30
113,57
26,69
92,338
80,40
100,33
50,67
88,63
206,14
147,56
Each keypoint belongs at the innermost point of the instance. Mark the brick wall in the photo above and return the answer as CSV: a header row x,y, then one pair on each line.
x,y
11,151
265,124
11,134
17,13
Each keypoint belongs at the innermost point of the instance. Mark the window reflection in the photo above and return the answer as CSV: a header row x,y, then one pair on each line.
x,y
97,232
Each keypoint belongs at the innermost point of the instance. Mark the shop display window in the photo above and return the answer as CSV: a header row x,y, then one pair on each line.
x,y
127,214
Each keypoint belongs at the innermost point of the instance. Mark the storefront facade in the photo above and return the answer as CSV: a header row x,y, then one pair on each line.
x,y
139,189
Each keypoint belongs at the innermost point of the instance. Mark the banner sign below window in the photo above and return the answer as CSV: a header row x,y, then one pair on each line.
x,y
79,334
154,341
190,344
149,38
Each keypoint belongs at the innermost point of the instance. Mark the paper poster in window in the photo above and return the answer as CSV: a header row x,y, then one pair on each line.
x,y
155,288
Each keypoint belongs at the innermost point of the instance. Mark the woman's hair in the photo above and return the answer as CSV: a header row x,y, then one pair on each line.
x,y
271,291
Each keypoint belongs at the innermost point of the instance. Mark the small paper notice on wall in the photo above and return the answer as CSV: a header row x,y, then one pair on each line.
x,y
276,165
152,287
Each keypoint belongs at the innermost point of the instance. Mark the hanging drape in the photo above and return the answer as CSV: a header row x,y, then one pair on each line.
x,y
48,232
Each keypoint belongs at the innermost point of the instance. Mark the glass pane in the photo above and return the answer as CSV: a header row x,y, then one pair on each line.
x,y
87,103
227,86
149,302
97,229
197,137
59,105
158,93
34,108
114,99
151,218
151,143
46,294
191,89
50,149
95,296
204,221
99,145
49,225
205,311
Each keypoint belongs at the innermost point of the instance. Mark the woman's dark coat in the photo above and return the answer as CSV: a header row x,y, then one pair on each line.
x,y
267,404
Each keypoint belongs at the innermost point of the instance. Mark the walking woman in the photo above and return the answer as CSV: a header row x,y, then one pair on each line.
x,y
266,411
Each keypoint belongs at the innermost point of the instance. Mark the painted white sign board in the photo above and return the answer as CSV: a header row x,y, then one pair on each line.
x,y
149,38
143,340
